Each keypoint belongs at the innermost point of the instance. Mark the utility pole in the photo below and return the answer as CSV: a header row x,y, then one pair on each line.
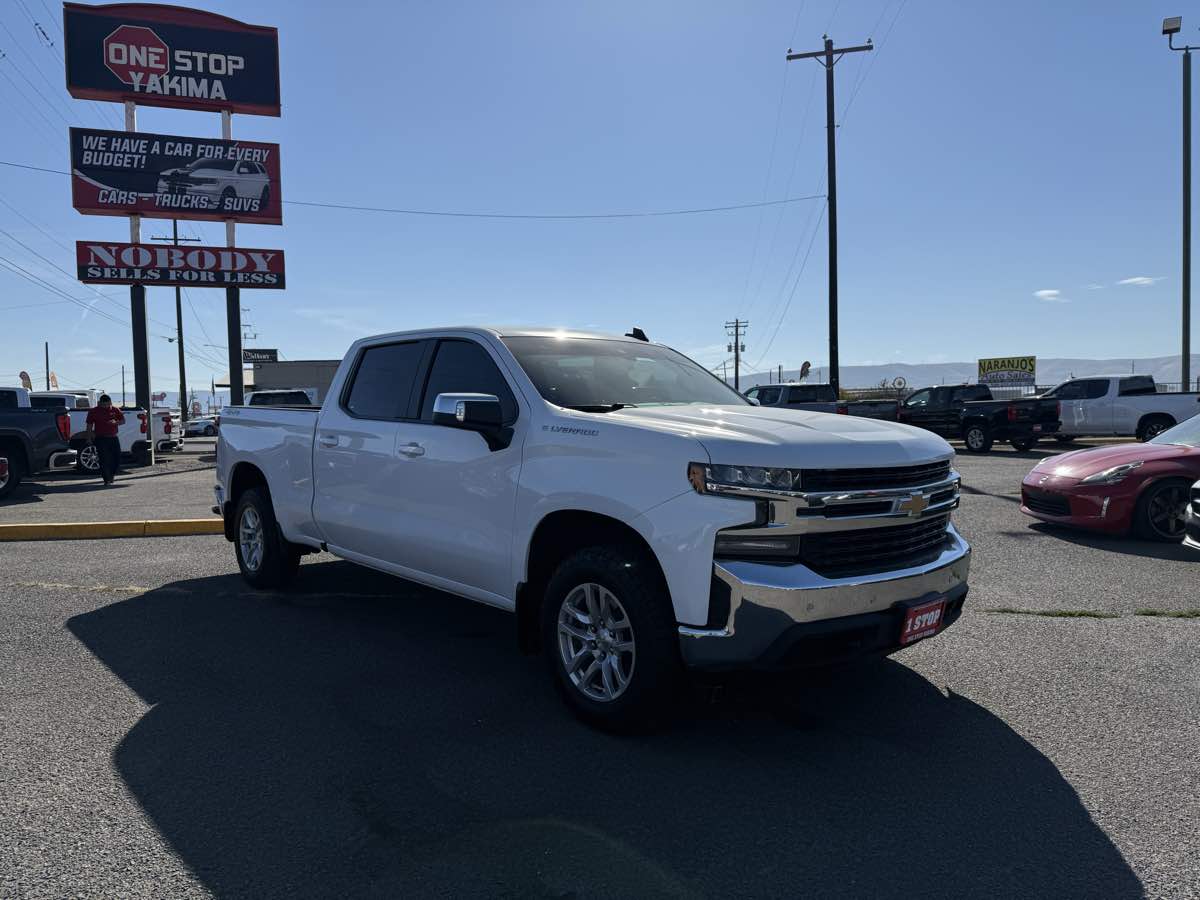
x,y
781,373
122,385
47,348
828,58
737,347
1171,27
175,239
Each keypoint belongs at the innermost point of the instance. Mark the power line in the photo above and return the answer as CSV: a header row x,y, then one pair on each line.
x,y
866,70
795,284
483,215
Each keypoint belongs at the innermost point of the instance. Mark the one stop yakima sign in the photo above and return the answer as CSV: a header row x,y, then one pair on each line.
x,y
134,53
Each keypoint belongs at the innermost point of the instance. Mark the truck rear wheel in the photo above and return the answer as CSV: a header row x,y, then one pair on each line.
x,y
11,477
264,557
1021,445
610,638
978,438
1152,426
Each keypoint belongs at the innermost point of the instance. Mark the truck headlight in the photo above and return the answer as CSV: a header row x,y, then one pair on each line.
x,y
1114,475
711,479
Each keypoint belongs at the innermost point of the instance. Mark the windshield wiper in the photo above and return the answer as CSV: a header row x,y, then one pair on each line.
x,y
601,407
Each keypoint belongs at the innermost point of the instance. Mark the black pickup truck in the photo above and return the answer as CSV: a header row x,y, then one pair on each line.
x,y
33,440
967,412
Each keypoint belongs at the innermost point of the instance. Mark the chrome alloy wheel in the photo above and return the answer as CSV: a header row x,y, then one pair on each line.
x,y
596,643
975,438
250,538
89,457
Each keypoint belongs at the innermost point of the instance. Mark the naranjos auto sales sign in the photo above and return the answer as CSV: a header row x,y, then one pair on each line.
x,y
121,173
170,56
1011,370
105,262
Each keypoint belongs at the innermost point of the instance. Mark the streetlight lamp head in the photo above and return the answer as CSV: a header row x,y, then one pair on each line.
x,y
1172,25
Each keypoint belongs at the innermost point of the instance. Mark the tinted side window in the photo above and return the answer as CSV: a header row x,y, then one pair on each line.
x,y
1136,387
1095,388
977,392
920,398
768,396
8,399
463,367
383,381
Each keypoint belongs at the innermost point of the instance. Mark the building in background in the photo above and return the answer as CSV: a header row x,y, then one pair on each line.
x,y
292,374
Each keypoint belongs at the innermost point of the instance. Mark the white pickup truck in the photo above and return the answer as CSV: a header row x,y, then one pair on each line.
x,y
637,514
132,435
1119,405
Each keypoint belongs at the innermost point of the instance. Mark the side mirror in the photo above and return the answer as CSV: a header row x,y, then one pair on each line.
x,y
473,412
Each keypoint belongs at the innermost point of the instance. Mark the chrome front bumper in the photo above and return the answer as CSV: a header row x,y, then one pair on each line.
x,y
767,602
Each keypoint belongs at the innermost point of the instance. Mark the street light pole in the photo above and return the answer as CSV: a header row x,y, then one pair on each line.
x,y
1171,27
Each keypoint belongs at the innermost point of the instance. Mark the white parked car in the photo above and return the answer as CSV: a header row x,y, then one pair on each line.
x,y
1119,405
636,513
1192,518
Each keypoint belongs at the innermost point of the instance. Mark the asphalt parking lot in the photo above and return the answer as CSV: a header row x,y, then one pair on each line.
x,y
165,731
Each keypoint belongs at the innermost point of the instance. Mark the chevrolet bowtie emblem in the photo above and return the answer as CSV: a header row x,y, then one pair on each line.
x,y
914,505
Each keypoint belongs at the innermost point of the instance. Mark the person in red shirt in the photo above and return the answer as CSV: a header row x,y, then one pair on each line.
x,y
103,420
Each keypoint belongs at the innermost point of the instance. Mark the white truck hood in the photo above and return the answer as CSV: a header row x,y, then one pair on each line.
x,y
765,436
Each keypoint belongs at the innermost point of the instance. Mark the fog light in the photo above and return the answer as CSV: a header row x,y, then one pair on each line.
x,y
734,545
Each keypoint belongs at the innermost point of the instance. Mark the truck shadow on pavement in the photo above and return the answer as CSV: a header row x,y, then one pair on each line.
x,y
373,738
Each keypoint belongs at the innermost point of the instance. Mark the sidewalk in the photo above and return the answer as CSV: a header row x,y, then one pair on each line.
x,y
178,487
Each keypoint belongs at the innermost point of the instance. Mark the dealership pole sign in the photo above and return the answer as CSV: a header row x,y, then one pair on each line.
x,y
123,173
1008,371
171,56
164,265
259,355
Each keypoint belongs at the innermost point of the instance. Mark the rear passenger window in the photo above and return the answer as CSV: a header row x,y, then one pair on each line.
x,y
1095,388
463,367
768,396
1137,387
383,381
8,399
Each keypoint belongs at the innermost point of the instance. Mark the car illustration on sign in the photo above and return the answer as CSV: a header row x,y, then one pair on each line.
x,y
225,181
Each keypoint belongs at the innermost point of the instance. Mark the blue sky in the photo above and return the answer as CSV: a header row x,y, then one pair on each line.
x,y
1008,180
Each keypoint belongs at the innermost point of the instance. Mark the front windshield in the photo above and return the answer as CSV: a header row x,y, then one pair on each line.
x,y
1186,433
598,375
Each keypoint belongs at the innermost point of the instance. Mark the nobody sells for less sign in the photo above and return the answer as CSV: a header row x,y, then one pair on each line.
x,y
106,262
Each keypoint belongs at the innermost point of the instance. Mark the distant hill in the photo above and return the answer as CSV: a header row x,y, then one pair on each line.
x,y
1049,371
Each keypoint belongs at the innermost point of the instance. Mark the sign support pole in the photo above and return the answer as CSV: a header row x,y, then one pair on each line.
x,y
233,299
137,315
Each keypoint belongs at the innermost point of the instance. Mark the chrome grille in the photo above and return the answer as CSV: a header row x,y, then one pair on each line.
x,y
840,553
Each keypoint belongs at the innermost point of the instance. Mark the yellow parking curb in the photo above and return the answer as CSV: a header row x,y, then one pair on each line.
x,y
82,531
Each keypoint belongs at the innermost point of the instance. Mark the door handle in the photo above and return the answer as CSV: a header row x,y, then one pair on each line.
x,y
329,441
412,450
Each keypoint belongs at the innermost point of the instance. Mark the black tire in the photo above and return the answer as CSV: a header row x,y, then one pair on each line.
x,y
141,454
1064,439
276,561
1023,445
1152,426
87,462
978,438
209,431
14,477
1159,514
652,669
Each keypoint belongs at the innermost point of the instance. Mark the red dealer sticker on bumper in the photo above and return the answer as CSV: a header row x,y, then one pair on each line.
x,y
922,621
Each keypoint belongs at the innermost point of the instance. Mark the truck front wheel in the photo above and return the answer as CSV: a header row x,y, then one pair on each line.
x,y
978,438
610,638
265,558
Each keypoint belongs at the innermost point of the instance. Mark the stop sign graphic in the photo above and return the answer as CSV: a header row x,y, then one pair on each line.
x,y
133,53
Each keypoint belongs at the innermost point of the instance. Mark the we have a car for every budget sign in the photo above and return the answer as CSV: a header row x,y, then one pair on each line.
x,y
105,262
121,173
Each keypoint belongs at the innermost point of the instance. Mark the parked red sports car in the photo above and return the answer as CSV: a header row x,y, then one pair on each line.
x,y
1142,488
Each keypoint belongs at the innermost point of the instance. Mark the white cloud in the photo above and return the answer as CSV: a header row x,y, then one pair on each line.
x,y
1093,287
1049,295
1141,280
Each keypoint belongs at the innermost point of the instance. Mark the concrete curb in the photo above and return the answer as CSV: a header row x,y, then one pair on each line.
x,y
83,531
